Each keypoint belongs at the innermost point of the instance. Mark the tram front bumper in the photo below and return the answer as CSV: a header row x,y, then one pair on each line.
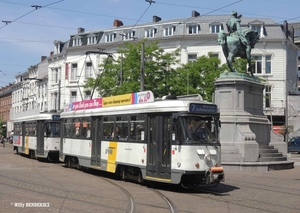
x,y
215,174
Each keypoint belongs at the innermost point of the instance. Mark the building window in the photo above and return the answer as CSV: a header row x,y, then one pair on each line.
x,y
77,42
87,95
262,64
268,89
216,28
169,31
110,37
92,40
88,70
73,72
213,55
194,29
192,57
150,33
297,32
256,28
257,64
268,64
55,75
129,35
73,97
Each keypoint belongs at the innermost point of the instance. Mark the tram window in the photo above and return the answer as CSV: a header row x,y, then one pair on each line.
x,y
86,127
30,128
68,126
196,129
165,158
76,127
52,129
137,126
121,129
18,128
108,125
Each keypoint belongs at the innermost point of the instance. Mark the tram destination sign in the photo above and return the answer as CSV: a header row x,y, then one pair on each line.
x,y
55,117
204,108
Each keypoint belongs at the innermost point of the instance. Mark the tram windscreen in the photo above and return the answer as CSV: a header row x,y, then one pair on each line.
x,y
52,129
193,129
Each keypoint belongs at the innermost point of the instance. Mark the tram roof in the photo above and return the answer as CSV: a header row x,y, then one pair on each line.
x,y
36,117
158,106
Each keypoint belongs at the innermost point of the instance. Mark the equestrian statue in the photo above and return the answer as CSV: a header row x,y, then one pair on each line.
x,y
238,43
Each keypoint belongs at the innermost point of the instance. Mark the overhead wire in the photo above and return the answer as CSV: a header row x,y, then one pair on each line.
x,y
169,4
116,43
36,8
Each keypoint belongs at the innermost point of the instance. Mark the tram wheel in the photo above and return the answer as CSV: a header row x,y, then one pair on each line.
x,y
140,178
69,162
32,154
185,185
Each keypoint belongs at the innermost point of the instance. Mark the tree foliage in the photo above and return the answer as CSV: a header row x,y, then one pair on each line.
x,y
156,74
160,76
197,77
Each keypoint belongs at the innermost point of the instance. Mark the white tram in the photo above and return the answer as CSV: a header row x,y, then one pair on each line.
x,y
38,136
144,139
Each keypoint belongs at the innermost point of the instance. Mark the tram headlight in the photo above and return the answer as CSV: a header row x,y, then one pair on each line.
x,y
207,157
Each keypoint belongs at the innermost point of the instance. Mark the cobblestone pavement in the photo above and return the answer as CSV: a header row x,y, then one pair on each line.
x,y
28,185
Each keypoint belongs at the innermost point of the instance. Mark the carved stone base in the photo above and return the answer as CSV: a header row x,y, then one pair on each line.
x,y
244,127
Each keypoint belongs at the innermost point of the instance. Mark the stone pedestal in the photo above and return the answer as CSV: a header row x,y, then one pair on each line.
x,y
244,127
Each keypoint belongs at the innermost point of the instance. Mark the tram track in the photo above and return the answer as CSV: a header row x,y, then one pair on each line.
x,y
131,208
37,180
46,186
252,201
168,201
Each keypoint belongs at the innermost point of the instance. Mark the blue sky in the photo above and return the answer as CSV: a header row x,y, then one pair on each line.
x,y
32,32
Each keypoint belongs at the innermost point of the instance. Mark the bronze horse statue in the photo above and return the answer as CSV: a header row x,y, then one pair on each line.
x,y
232,47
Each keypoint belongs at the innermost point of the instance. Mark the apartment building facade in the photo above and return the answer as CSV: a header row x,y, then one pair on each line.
x,y
72,62
5,106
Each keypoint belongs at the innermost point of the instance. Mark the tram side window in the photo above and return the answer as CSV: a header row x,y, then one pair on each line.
x,y
68,127
52,129
18,129
77,127
137,126
30,128
86,128
108,127
121,130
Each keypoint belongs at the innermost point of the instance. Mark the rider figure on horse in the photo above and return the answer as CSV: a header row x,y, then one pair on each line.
x,y
234,28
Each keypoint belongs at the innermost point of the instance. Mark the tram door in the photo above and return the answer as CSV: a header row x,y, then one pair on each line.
x,y
159,147
96,141
40,137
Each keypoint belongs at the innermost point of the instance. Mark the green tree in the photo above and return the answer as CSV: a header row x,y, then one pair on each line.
x,y
197,77
158,72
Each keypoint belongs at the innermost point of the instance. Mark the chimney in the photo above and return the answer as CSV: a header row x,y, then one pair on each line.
x,y
51,53
80,30
286,29
195,13
156,19
43,58
118,23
